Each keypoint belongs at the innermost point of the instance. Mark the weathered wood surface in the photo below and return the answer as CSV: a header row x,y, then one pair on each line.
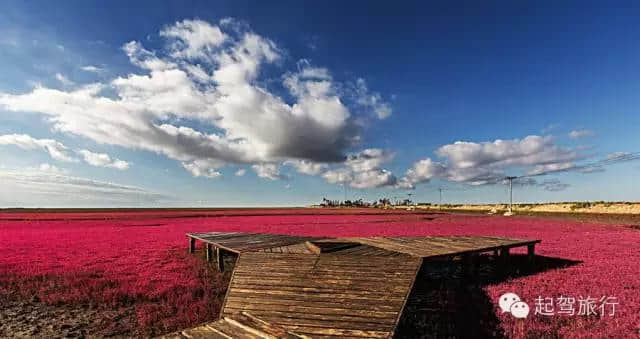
x,y
240,325
252,242
339,287
432,247
331,294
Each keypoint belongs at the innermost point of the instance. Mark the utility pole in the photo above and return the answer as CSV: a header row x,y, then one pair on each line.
x,y
510,212
440,204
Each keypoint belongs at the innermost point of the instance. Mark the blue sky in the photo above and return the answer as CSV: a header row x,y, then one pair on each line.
x,y
253,103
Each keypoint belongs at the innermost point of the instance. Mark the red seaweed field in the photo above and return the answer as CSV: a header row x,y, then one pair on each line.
x,y
132,269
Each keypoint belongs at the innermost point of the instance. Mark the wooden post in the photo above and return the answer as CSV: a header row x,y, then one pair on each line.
x,y
504,260
219,259
209,253
192,245
531,255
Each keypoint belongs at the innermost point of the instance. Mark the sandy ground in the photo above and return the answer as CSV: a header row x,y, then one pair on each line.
x,y
35,319
578,207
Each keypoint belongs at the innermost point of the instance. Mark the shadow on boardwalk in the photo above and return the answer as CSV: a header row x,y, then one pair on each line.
x,y
445,304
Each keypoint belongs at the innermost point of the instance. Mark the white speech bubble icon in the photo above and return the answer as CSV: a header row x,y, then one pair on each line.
x,y
520,309
506,300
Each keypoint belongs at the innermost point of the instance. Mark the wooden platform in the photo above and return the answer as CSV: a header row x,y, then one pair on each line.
x,y
241,325
432,247
323,295
252,242
338,287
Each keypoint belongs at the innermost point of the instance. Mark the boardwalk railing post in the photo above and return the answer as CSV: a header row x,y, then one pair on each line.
x,y
209,253
531,255
192,245
219,261
504,260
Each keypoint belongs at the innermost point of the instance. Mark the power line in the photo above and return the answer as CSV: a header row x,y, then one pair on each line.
x,y
596,164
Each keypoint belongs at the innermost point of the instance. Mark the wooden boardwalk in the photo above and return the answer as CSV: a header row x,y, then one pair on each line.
x,y
433,247
323,295
333,287
241,325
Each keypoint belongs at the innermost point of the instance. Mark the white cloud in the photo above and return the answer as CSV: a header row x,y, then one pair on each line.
x,y
203,168
531,150
211,77
92,69
421,172
308,167
581,133
363,170
268,171
64,80
55,149
485,162
372,100
193,38
103,160
47,188
240,172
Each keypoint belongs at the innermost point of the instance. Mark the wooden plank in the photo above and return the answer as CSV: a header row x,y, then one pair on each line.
x,y
374,304
230,329
285,294
336,332
280,319
315,311
257,323
203,332
441,246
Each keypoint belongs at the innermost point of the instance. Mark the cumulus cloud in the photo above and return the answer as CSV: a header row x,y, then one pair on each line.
x,y
193,38
363,170
485,162
240,172
308,167
210,76
56,150
48,188
103,160
421,172
268,171
581,133
207,168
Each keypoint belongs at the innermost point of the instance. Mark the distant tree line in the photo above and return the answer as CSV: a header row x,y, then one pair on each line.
x,y
382,202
